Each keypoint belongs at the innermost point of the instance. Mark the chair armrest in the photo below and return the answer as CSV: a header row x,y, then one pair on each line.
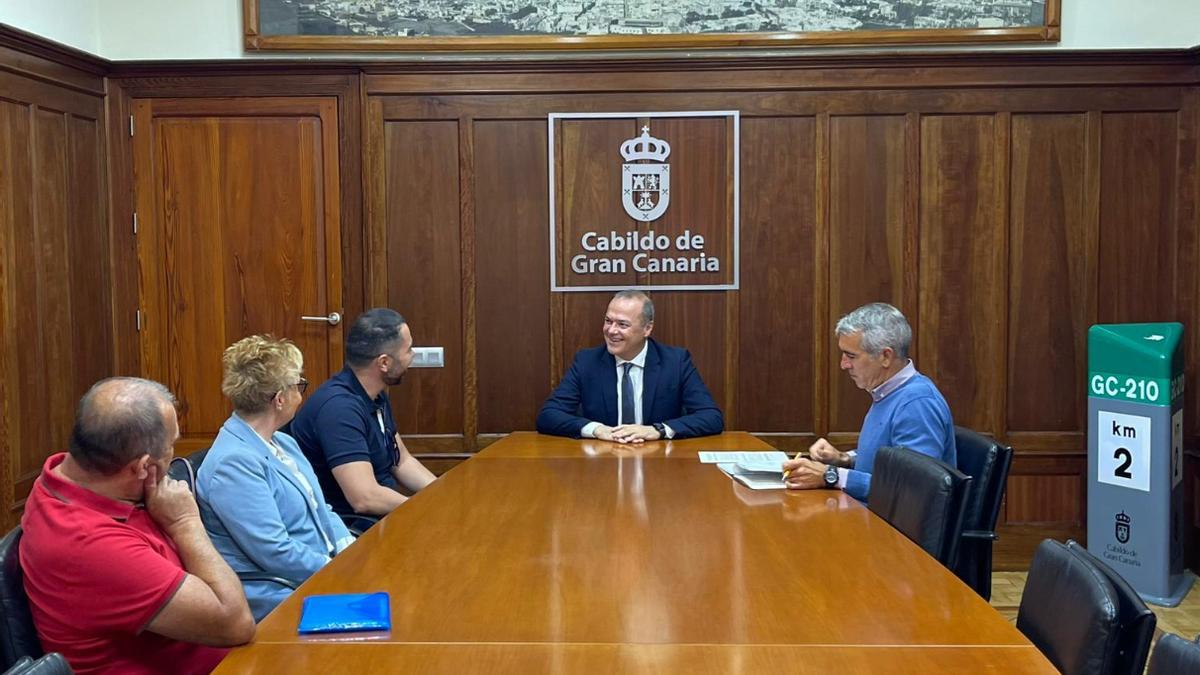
x,y
986,535
357,523
22,665
263,576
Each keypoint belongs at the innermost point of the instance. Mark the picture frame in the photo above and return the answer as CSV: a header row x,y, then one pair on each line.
x,y
541,25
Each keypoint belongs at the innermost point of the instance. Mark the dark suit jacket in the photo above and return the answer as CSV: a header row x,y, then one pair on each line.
x,y
672,393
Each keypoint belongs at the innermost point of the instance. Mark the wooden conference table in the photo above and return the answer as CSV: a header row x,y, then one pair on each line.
x,y
551,555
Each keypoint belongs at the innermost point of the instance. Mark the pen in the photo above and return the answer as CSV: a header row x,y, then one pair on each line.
x,y
799,454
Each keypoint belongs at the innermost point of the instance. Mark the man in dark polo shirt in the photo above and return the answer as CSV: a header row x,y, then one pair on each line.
x,y
120,573
346,428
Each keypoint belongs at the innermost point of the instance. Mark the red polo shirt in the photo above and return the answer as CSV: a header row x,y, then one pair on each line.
x,y
97,571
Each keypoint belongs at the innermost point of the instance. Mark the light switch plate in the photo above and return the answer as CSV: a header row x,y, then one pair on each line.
x,y
428,357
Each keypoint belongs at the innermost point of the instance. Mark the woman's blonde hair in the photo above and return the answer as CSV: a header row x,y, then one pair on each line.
x,y
257,368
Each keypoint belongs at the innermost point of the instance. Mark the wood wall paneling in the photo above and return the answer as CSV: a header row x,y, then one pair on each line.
x,y
54,381
1047,487
583,323
91,295
424,271
54,301
1137,214
589,162
775,345
1051,269
886,72
31,431
961,275
1188,247
701,160
867,219
696,320
1045,499
512,270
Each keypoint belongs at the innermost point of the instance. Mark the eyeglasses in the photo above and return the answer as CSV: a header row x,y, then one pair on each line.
x,y
301,385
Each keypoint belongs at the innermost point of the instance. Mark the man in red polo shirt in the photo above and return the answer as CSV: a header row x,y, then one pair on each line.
x,y
120,574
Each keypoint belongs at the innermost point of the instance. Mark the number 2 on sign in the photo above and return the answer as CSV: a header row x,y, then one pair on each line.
x,y
1126,458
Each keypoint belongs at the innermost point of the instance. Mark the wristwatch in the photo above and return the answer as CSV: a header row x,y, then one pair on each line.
x,y
660,428
831,476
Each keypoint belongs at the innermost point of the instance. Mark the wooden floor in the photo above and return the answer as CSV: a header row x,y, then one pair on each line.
x,y
1014,550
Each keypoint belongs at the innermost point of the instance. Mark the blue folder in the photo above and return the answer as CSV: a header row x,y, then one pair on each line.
x,y
345,612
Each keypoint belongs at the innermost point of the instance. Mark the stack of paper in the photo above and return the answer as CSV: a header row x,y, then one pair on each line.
x,y
755,470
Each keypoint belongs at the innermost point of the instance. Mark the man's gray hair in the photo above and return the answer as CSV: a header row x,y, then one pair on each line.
x,y
881,325
118,420
647,303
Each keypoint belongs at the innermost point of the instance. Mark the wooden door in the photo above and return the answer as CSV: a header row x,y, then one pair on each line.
x,y
237,205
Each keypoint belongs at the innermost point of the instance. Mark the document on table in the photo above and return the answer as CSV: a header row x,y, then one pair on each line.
x,y
756,475
755,457
755,470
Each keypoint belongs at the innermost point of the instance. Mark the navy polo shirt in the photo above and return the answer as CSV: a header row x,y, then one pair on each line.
x,y
340,424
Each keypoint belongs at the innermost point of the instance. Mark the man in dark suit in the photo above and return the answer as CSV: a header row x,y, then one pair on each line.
x,y
631,389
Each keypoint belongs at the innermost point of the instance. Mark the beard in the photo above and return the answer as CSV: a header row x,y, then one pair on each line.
x,y
393,380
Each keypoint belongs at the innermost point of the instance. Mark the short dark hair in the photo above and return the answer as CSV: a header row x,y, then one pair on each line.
x,y
118,420
373,332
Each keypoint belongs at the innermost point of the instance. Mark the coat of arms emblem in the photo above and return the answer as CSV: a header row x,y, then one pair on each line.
x,y
1122,528
645,177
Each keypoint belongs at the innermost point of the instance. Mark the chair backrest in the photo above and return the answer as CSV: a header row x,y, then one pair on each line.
x,y
181,469
922,497
197,458
1175,656
1069,611
18,637
987,463
186,468
50,664
1135,621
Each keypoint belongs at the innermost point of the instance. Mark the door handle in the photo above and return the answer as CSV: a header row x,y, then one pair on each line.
x,y
333,319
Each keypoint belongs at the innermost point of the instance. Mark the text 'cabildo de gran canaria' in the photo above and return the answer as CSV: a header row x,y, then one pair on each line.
x,y
652,252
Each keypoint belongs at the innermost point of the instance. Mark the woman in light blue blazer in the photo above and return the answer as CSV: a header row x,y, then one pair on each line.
x,y
259,499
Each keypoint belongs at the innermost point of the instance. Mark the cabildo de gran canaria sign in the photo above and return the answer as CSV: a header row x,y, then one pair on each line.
x,y
643,200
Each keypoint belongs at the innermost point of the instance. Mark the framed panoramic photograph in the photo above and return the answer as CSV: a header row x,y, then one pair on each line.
x,y
500,25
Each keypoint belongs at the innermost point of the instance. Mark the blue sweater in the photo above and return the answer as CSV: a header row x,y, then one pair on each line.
x,y
914,416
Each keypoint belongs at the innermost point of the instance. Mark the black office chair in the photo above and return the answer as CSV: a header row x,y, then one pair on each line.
x,y
50,664
987,463
18,637
922,497
1135,621
1070,611
1175,656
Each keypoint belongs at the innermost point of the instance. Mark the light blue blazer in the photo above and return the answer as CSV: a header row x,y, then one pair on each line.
x,y
258,514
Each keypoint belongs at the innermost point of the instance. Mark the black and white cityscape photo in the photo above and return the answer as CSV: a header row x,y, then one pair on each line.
x,y
441,18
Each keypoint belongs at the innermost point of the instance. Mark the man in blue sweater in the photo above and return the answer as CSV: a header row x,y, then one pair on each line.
x,y
907,410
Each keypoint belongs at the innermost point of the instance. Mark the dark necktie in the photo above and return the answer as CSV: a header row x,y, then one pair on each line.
x,y
627,414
